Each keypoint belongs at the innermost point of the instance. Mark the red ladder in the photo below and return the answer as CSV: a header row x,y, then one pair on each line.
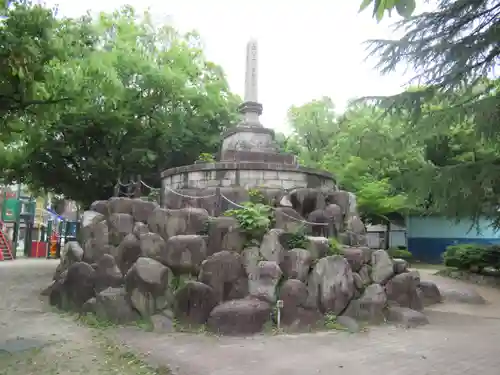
x,y
5,249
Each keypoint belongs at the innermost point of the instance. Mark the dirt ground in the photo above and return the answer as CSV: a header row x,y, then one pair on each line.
x,y
34,339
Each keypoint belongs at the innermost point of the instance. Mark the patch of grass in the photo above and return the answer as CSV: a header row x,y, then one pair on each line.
x,y
145,324
127,362
189,328
91,320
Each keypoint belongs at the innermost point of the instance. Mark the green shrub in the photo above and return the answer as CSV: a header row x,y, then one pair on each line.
x,y
256,196
255,219
400,252
298,239
472,257
205,157
334,246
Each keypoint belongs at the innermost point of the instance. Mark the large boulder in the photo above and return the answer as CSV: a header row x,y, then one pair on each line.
x,y
120,225
382,267
107,274
355,257
331,285
148,286
364,273
324,223
356,231
141,209
77,285
403,290
296,264
400,265
341,198
96,238
185,253
242,316
294,314
406,317
224,233
128,252
152,245
111,305
71,253
430,293
193,302
287,219
293,293
263,286
239,289
271,248
120,205
463,294
221,270
100,207
306,200
334,213
250,257
318,247
370,306
140,228
168,223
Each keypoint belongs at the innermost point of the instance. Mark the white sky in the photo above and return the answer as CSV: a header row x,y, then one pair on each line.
x,y
307,48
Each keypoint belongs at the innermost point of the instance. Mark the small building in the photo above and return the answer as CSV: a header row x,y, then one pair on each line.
x,y
376,236
428,236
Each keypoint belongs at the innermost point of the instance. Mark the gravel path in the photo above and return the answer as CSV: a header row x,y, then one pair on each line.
x,y
459,341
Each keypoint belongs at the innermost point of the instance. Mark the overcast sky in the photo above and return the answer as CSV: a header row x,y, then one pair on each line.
x,y
307,48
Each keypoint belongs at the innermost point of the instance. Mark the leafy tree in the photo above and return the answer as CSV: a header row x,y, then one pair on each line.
x,y
141,99
313,124
31,41
454,52
365,152
404,8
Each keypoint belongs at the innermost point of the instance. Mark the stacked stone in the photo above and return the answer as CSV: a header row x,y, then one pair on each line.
x,y
136,260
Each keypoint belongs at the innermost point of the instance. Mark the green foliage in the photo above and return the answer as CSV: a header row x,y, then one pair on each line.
x,y
472,257
256,196
366,152
401,253
297,239
456,112
255,219
332,324
104,98
206,157
154,196
404,8
334,246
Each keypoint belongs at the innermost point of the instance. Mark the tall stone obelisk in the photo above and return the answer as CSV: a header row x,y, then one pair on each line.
x,y
249,141
251,108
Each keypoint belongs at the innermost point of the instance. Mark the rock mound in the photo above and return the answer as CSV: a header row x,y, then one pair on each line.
x,y
137,259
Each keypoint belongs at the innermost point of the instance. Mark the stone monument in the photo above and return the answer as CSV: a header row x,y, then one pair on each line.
x,y
249,157
134,254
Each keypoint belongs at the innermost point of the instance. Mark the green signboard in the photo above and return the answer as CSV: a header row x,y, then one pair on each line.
x,y
10,210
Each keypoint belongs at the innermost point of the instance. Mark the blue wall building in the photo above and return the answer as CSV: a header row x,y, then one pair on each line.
x,y
428,236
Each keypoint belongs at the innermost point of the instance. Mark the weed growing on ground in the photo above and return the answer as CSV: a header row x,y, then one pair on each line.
x,y
332,324
127,362
91,320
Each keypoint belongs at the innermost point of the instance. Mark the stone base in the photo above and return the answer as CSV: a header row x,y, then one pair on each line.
x,y
262,157
246,175
248,138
